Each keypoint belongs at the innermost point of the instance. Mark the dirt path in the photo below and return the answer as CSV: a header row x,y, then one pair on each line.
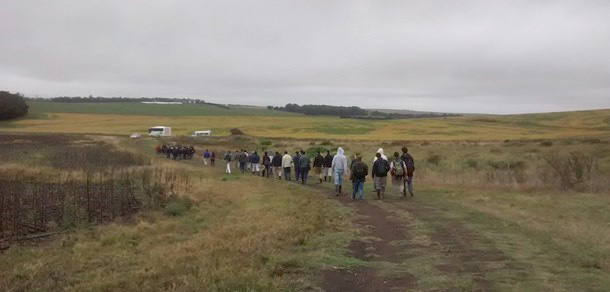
x,y
386,237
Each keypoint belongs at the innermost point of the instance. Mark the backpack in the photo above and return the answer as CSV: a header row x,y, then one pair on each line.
x,y
382,167
398,171
409,162
359,171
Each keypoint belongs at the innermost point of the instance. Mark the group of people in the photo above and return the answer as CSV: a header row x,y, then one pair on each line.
x,y
400,168
175,152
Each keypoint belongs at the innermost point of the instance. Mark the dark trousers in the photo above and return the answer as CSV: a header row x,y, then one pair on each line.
x,y
304,172
287,173
297,173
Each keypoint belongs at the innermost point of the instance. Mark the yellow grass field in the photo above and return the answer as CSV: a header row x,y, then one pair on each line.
x,y
533,126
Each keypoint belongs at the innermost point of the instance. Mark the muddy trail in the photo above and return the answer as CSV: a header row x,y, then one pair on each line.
x,y
387,239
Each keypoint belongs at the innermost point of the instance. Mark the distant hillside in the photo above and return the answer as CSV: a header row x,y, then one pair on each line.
x,y
38,108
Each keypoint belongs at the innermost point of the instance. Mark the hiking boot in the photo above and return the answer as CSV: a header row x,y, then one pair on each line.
x,y
337,191
410,192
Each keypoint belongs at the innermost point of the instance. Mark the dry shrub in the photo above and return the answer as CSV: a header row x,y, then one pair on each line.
x,y
575,170
236,131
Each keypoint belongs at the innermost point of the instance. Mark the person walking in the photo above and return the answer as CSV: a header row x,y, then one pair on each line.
x,y
206,157
359,171
228,158
286,165
276,163
295,163
305,166
318,164
243,160
338,166
266,164
410,165
398,169
213,159
380,174
255,163
380,151
328,163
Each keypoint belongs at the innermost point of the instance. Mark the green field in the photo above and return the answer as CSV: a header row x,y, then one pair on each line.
x,y
124,119
492,210
41,108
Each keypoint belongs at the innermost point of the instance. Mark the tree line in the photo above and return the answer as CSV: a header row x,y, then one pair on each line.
x,y
12,105
352,112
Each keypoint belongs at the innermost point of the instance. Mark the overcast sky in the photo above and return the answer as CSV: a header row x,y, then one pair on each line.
x,y
488,56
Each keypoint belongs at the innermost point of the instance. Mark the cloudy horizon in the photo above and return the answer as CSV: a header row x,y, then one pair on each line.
x,y
443,56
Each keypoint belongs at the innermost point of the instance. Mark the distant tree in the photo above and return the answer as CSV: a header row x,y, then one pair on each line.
x,y
12,105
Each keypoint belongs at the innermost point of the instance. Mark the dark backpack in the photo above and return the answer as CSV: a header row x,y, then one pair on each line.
x,y
359,171
398,170
382,167
409,162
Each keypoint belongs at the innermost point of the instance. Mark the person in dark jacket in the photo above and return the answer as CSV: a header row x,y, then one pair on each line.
x,y
213,158
328,166
318,163
255,163
305,166
227,159
380,174
410,164
266,164
297,169
359,171
243,160
276,163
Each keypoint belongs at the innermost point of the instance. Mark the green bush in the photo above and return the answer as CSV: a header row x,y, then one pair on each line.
x,y
265,143
178,207
326,143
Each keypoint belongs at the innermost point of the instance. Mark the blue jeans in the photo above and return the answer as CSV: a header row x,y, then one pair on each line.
x,y
410,183
297,173
304,172
286,173
338,177
358,187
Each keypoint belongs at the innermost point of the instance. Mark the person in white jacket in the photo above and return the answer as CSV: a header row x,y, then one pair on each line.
x,y
380,151
286,165
339,166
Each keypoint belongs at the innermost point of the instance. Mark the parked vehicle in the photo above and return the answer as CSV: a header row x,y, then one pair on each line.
x,y
202,133
135,136
160,131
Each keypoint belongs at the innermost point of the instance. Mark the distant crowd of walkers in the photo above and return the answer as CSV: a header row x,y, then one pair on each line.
x,y
326,168
175,152
331,168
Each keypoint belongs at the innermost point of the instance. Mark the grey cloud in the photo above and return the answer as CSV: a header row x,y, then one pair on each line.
x,y
461,56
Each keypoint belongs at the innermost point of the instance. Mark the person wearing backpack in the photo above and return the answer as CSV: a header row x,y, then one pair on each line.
x,y
410,166
276,163
380,175
359,172
399,173
305,166
228,158
328,163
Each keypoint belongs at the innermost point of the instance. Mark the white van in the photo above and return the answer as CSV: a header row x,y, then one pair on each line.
x,y
202,133
160,131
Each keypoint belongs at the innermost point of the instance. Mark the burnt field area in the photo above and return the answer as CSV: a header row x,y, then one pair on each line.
x,y
51,183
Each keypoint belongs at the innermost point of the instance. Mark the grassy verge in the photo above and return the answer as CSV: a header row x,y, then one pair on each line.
x,y
244,233
552,242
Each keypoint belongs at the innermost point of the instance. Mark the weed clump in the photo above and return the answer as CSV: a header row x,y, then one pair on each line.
x,y
575,170
434,159
178,207
236,131
546,144
326,143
